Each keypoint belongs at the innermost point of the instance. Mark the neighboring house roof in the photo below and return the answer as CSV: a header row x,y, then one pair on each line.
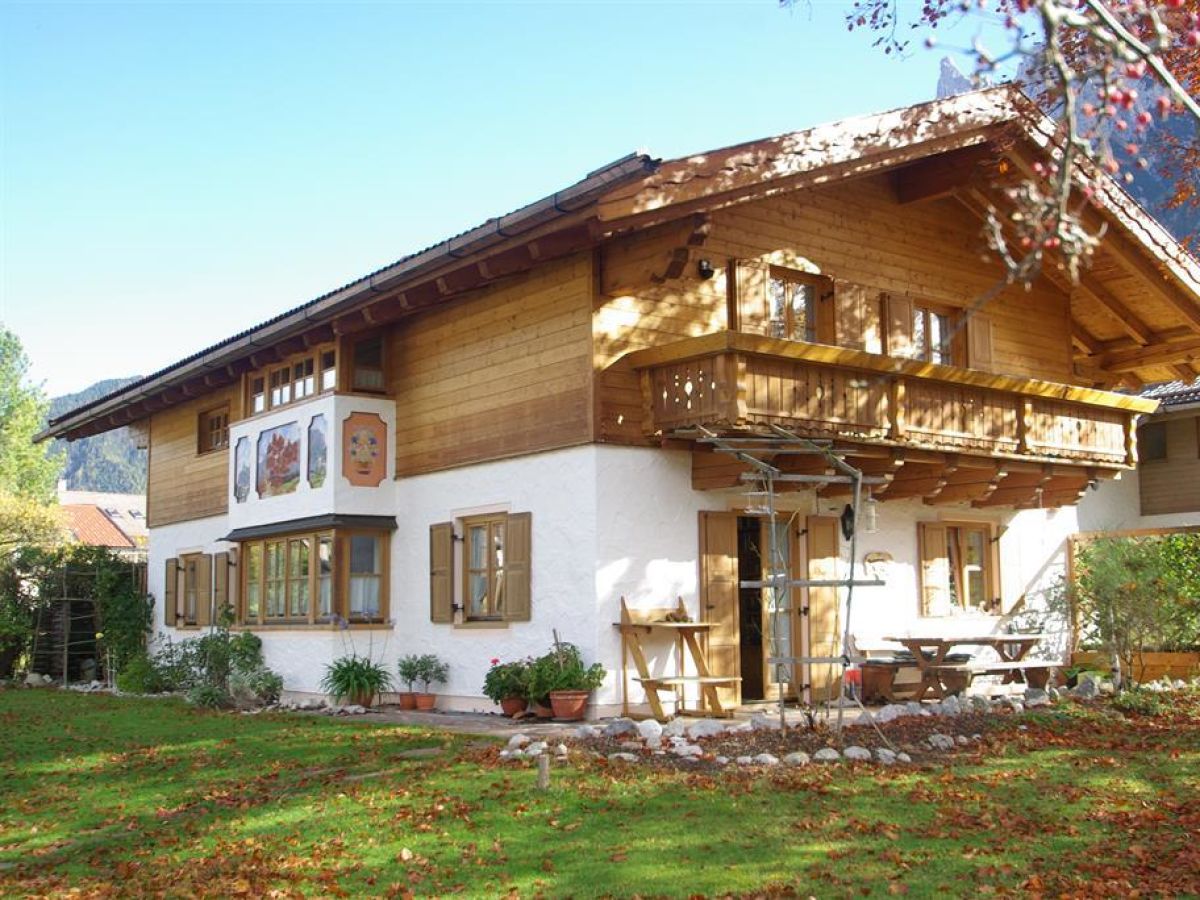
x,y
1174,393
638,191
126,511
89,525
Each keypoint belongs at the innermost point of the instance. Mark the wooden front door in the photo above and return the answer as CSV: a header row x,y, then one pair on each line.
x,y
719,598
822,545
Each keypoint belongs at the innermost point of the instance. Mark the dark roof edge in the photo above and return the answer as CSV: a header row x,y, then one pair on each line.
x,y
557,205
311,523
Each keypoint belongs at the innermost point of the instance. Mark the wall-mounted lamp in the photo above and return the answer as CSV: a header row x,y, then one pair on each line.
x,y
870,515
705,269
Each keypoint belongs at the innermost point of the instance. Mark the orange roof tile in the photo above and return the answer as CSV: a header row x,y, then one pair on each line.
x,y
91,526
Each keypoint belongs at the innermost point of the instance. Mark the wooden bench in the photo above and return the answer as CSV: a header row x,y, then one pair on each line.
x,y
1035,673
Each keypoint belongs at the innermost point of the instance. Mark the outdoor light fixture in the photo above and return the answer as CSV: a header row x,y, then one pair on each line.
x,y
870,515
705,269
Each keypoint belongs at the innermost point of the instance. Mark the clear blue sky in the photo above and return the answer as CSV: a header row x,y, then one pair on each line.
x,y
172,174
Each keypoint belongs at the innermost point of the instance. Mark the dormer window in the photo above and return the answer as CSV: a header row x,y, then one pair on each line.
x,y
292,380
368,364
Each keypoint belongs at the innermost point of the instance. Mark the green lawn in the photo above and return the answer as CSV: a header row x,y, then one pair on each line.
x,y
117,797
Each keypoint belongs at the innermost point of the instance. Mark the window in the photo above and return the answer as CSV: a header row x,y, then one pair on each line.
x,y
792,298
213,429
958,568
368,364
479,569
933,335
295,578
292,380
1152,441
195,599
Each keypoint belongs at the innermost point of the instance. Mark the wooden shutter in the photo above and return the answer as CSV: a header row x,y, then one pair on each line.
x,y
441,573
204,592
899,325
719,598
979,342
753,308
857,317
823,548
170,593
935,569
221,570
518,545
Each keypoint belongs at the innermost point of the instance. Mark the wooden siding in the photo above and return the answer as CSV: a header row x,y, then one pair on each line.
x,y
500,373
1172,485
183,484
855,233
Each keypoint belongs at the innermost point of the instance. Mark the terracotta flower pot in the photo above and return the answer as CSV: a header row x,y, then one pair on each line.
x,y
569,705
365,700
425,702
542,712
513,705
408,700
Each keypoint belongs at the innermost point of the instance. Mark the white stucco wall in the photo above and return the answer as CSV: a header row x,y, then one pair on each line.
x,y
166,541
1116,506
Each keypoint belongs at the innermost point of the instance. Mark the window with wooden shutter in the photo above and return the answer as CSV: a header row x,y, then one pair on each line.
x,y
935,569
857,320
204,596
171,593
441,573
517,594
899,314
979,342
753,312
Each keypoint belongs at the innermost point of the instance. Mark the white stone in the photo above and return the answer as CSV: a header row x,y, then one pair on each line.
x,y
586,732
675,728
1016,705
903,757
537,748
745,760
721,760
891,712
33,679
961,740
739,727
766,759
1035,698
705,728
915,709
1086,689
650,730
861,754
827,754
796,758
885,756
950,706
619,727
760,722
622,757
941,741
562,751
688,750
631,746
980,703
518,740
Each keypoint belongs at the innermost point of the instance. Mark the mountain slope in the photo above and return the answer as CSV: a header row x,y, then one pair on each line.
x,y
104,462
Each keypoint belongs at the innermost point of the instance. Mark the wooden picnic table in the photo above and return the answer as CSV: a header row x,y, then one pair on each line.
x,y
929,656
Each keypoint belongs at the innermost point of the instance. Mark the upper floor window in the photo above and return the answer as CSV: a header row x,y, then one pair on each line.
x,y
213,429
294,379
368,364
933,335
1152,441
792,298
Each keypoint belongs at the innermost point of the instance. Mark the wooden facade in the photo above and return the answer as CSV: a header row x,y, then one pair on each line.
x,y
1171,483
184,483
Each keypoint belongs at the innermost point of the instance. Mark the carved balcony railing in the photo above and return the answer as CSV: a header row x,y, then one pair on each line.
x,y
731,380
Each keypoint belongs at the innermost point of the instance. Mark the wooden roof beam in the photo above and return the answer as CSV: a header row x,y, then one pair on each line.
x,y
938,177
1135,263
1122,315
1127,361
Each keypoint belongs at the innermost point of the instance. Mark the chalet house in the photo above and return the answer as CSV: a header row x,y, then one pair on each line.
x,y
503,435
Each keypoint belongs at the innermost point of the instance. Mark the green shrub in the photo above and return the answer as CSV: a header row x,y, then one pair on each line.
x,y
505,680
141,676
356,678
562,669
209,696
431,670
256,687
1139,702
409,670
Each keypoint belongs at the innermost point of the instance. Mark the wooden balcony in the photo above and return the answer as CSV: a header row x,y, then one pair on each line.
x,y
734,381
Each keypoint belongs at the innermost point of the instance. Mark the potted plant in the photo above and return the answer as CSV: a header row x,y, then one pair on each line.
x,y
409,669
431,670
561,677
358,679
508,684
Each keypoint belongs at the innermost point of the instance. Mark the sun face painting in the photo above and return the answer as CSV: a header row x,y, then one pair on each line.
x,y
364,449
279,460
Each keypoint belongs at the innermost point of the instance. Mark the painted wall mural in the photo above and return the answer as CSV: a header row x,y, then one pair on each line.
x,y
364,449
241,470
279,460
317,452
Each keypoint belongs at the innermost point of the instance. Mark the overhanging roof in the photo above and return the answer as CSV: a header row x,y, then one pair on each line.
x,y
312,523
